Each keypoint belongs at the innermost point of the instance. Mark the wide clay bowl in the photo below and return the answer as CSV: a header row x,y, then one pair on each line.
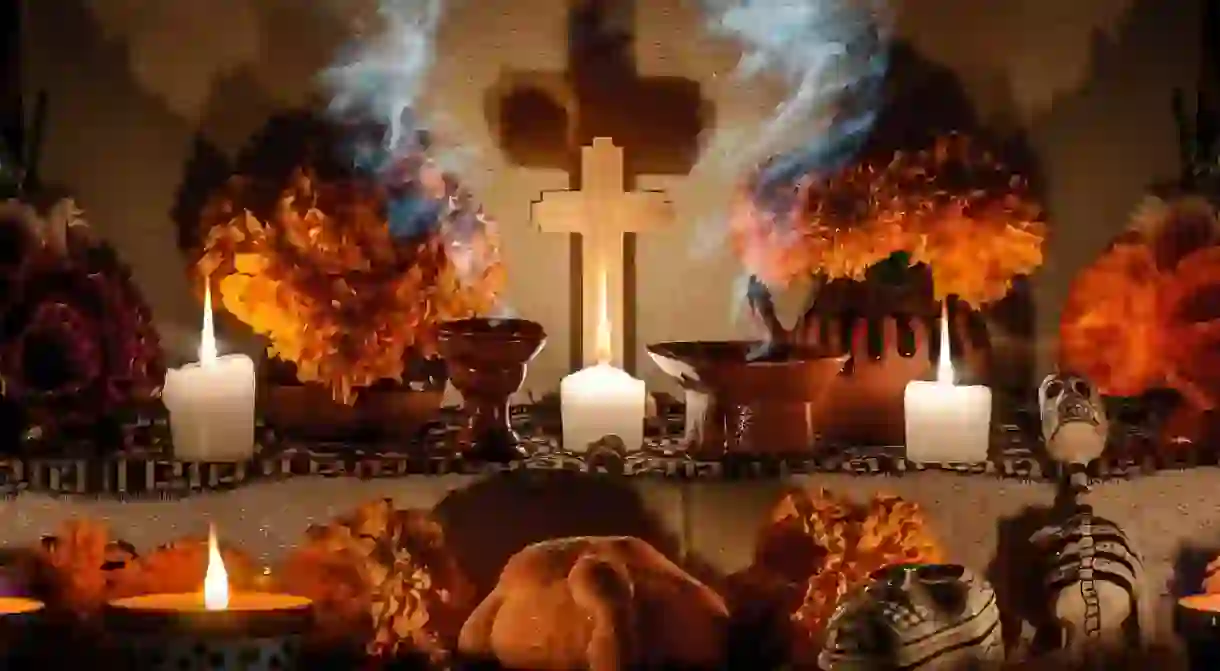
x,y
491,342
724,369
737,404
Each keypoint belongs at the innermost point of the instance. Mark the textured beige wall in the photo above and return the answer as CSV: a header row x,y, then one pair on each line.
x,y
131,82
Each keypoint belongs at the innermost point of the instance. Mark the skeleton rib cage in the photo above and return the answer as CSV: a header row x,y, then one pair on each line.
x,y
1087,555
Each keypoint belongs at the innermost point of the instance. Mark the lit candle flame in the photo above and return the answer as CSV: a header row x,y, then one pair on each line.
x,y
944,367
216,580
207,337
605,345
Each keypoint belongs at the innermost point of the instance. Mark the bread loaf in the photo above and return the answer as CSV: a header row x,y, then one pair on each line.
x,y
597,604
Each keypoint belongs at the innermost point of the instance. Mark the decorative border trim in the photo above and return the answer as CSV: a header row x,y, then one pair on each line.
x,y
141,471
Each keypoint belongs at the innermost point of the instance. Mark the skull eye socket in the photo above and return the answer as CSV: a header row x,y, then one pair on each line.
x,y
1054,389
1082,387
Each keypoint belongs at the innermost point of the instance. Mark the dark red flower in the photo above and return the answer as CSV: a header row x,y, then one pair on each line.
x,y
78,342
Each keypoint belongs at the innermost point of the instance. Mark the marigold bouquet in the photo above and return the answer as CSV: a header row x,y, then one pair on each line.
x,y
820,546
1142,316
349,277
953,207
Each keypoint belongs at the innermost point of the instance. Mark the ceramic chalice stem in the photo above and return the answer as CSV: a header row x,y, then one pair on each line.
x,y
487,364
485,396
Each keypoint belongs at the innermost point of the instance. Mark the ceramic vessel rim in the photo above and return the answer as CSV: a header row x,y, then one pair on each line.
x,y
523,330
670,350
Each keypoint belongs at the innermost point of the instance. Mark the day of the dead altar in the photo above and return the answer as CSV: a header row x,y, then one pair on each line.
x,y
876,484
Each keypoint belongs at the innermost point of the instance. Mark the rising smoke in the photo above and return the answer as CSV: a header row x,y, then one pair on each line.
x,y
831,56
381,79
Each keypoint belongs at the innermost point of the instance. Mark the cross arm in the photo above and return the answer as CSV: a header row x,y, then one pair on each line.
x,y
560,212
640,211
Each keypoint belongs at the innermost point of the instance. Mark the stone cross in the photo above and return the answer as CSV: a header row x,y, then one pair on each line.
x,y
602,212
547,119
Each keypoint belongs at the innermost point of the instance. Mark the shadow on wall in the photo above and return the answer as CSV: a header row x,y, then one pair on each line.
x,y
1014,573
118,112
1108,141
87,121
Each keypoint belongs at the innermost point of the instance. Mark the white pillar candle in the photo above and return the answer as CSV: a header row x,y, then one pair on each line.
x,y
947,422
602,400
211,403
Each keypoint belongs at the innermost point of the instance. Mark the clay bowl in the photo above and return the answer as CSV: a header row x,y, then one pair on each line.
x,y
735,404
487,361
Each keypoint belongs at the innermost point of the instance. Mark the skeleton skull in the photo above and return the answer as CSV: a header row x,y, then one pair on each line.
x,y
1074,425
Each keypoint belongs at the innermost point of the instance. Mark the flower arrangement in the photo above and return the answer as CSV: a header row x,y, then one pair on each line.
x,y
826,546
952,207
77,342
349,277
1154,285
385,581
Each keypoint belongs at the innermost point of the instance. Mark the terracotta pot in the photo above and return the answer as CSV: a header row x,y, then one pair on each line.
x,y
736,405
487,361
395,411
890,334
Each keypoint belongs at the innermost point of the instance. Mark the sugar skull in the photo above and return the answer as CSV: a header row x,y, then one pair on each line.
x,y
1074,425
927,617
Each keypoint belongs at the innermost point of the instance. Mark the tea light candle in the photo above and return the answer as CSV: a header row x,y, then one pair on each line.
x,y
602,400
211,403
16,648
947,422
212,629
1197,621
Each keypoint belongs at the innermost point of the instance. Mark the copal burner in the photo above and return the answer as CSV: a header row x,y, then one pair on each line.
x,y
213,629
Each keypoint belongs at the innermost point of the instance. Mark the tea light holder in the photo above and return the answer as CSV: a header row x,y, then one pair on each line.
x,y
168,632
1197,621
213,630
17,618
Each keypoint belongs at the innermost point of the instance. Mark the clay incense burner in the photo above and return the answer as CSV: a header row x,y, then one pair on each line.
x,y
736,403
487,360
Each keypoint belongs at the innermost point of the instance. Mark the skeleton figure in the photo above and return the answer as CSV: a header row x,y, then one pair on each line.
x,y
916,617
1093,579
1074,425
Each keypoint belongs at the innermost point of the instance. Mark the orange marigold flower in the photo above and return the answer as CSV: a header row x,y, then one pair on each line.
x,y
321,275
952,207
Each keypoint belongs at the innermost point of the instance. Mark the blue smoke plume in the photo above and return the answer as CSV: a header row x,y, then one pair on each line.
x,y
832,56
381,80
384,73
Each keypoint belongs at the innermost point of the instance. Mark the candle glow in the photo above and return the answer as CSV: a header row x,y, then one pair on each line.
x,y
216,579
602,400
944,364
207,336
945,422
211,403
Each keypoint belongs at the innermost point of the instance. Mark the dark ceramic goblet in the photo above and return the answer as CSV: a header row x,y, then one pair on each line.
x,y
487,360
